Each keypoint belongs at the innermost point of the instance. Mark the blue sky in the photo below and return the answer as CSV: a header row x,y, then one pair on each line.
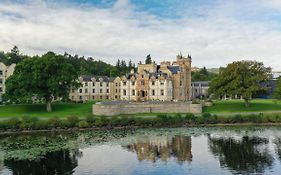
x,y
214,32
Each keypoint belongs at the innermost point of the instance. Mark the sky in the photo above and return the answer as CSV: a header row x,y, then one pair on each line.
x,y
214,32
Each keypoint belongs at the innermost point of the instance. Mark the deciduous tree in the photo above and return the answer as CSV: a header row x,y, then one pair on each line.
x,y
48,77
241,78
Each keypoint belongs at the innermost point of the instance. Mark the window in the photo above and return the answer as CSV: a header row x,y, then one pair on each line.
x,y
133,83
161,82
162,92
116,96
153,92
100,90
100,97
86,83
107,97
153,83
116,84
180,83
94,91
107,84
1,90
142,82
133,92
116,90
124,92
107,90
93,97
124,83
93,83
142,76
80,90
1,72
72,89
86,90
100,84
72,97
80,97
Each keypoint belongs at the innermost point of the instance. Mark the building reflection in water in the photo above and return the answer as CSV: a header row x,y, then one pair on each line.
x,y
245,155
58,162
162,148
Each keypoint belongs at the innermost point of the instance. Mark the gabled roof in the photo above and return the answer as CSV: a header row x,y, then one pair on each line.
x,y
104,78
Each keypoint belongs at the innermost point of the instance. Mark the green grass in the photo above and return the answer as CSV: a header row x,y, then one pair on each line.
x,y
39,110
231,106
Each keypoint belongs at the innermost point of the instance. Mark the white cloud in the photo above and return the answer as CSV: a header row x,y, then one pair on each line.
x,y
214,39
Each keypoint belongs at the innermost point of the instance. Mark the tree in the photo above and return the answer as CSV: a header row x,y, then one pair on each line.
x,y
48,77
148,59
241,78
277,91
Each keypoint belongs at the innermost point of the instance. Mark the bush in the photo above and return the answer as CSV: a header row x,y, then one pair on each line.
x,y
72,121
83,124
12,123
28,122
208,118
90,119
54,122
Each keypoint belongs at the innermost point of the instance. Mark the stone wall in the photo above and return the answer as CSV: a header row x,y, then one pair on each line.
x,y
110,109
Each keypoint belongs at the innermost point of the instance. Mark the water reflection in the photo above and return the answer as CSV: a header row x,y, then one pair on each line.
x,y
162,148
58,162
244,155
144,151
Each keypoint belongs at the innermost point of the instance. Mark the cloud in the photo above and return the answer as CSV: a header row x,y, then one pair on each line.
x,y
215,34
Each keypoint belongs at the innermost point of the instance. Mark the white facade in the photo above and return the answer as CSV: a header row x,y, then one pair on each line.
x,y
93,88
5,72
200,89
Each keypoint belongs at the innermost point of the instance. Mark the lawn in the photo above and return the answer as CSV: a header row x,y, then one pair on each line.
x,y
39,110
256,105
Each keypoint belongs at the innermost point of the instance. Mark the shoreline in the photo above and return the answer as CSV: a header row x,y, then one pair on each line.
x,y
76,129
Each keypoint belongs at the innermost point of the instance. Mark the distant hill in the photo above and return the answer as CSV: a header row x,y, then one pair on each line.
x,y
213,70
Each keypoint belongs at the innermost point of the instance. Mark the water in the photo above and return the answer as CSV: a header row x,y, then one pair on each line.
x,y
226,150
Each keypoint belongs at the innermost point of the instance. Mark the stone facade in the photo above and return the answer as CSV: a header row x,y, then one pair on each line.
x,y
165,82
117,108
93,88
169,81
5,72
200,89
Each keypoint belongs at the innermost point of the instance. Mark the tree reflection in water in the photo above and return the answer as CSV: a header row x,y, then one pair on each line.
x,y
245,155
58,162
163,148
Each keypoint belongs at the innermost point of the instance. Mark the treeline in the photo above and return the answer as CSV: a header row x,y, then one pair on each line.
x,y
83,65
203,75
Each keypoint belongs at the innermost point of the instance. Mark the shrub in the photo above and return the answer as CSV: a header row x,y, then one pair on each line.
x,y
208,118
54,122
72,121
83,124
90,119
12,123
237,119
28,122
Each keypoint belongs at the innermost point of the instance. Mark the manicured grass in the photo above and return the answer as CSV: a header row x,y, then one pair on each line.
x,y
231,106
39,110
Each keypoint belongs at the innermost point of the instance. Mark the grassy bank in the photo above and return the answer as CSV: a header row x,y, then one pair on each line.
x,y
61,110
178,120
236,106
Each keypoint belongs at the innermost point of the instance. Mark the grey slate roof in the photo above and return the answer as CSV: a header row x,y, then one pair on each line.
x,y
174,69
105,78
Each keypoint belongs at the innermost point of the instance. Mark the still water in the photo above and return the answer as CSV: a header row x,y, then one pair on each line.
x,y
225,150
